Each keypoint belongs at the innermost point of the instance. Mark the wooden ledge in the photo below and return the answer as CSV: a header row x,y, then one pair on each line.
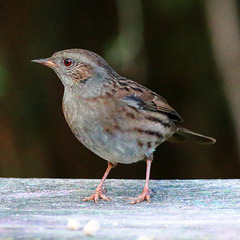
x,y
180,209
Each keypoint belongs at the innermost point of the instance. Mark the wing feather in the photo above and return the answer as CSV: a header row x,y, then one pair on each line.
x,y
137,96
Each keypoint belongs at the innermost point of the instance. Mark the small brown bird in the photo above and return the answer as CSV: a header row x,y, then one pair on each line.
x,y
116,118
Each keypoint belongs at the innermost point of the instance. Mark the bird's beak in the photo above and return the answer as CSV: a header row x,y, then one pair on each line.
x,y
45,61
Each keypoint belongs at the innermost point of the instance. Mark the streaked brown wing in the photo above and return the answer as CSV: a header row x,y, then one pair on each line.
x,y
135,95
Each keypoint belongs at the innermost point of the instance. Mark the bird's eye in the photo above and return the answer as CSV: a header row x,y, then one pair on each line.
x,y
67,62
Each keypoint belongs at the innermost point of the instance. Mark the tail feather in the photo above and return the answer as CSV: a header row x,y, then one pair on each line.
x,y
183,134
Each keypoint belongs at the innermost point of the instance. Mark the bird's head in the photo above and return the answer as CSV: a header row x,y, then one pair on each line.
x,y
75,66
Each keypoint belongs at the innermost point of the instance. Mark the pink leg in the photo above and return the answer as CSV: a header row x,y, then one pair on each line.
x,y
145,193
99,191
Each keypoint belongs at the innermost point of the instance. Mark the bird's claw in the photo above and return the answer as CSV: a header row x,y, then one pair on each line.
x,y
96,196
144,196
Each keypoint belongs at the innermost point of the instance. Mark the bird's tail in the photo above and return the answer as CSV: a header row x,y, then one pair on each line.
x,y
183,135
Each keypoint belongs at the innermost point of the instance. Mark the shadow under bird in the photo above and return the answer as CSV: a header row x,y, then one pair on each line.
x,y
116,118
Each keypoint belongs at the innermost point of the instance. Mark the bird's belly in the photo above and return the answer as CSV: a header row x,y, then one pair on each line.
x,y
116,148
115,141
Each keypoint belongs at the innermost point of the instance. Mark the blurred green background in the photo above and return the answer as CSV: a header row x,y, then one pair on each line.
x,y
187,51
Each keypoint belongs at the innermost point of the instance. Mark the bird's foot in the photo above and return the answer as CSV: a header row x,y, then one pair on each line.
x,y
144,196
98,194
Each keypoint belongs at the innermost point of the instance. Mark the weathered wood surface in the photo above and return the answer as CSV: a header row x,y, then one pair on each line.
x,y
180,209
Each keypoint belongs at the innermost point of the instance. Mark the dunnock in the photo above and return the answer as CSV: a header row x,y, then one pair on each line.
x,y
116,118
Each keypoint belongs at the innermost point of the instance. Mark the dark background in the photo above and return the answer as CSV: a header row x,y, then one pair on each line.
x,y
169,46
